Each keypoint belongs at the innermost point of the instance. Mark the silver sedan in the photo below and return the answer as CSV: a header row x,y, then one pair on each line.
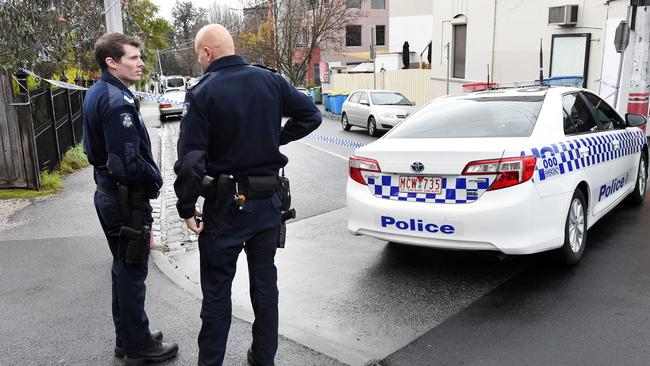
x,y
375,110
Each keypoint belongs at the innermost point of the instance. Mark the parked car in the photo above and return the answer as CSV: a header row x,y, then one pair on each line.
x,y
171,104
375,110
518,171
173,82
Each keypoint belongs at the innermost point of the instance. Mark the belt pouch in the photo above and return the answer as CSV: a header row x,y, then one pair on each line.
x,y
262,186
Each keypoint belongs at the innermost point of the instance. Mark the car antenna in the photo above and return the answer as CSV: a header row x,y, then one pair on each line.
x,y
541,64
488,77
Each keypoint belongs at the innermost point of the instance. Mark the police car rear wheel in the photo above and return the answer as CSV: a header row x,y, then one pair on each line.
x,y
575,230
163,118
636,197
372,127
345,124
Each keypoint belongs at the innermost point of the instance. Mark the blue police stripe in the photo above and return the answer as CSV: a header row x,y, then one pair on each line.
x,y
601,150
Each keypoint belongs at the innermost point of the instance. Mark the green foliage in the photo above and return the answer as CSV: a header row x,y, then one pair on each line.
x,y
52,35
51,181
74,159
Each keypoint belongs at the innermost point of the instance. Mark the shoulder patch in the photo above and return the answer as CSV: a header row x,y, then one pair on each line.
x,y
127,120
265,68
186,108
128,99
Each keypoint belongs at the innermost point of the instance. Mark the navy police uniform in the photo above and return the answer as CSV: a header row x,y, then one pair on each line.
x,y
117,145
232,125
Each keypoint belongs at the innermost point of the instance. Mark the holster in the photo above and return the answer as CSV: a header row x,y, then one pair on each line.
x,y
134,238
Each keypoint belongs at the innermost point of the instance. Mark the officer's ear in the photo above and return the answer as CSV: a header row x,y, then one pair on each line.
x,y
110,62
208,53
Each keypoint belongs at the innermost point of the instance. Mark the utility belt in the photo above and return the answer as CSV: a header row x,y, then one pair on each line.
x,y
215,191
134,238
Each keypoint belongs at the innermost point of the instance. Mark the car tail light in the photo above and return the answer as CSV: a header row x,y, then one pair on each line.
x,y
165,106
357,165
509,171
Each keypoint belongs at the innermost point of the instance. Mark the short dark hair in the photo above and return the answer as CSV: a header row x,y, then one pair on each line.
x,y
112,45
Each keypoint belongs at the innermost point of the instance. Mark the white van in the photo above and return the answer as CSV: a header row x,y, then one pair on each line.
x,y
174,82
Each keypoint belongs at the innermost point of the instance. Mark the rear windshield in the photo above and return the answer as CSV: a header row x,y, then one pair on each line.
x,y
383,98
175,83
472,117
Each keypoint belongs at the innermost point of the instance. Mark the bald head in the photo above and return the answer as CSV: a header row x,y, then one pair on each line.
x,y
213,41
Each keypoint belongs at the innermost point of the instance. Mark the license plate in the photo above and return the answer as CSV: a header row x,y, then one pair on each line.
x,y
415,184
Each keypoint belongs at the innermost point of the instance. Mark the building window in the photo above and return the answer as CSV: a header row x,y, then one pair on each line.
x,y
460,38
378,4
352,35
380,35
353,4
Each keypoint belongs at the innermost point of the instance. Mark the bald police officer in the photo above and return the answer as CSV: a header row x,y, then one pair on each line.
x,y
118,146
231,130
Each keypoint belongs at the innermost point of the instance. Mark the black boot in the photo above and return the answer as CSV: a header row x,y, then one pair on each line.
x,y
159,351
251,360
156,335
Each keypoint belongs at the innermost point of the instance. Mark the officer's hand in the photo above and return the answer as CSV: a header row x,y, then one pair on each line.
x,y
194,223
191,224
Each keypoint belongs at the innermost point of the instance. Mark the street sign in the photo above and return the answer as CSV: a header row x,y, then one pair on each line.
x,y
622,36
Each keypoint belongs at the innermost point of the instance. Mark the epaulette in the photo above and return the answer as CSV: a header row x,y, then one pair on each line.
x,y
265,68
195,84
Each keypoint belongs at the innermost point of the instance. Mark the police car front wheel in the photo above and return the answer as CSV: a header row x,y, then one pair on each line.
x,y
575,230
637,195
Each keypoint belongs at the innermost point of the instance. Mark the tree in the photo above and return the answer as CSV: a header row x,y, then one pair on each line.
x,y
187,21
54,36
295,29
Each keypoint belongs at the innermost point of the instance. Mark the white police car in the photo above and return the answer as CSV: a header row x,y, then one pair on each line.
x,y
518,171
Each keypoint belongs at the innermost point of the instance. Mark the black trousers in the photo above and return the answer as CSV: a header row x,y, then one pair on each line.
x,y
224,236
129,289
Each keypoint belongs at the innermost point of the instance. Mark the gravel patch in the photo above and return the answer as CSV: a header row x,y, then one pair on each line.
x,y
7,209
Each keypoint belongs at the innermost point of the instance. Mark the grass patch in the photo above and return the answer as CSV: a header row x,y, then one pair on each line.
x,y
73,160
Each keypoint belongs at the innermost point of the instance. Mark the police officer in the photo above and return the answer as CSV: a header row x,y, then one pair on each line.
x,y
231,128
118,146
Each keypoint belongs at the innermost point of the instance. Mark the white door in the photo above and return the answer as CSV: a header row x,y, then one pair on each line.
x,y
364,110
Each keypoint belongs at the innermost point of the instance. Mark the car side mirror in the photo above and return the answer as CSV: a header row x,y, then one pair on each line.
x,y
413,103
635,120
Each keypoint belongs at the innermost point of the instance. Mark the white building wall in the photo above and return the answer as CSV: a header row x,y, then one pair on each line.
x,y
506,35
414,29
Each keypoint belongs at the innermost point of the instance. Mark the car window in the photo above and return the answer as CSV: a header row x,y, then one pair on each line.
x,y
472,117
569,126
384,98
579,113
175,82
355,97
605,114
364,98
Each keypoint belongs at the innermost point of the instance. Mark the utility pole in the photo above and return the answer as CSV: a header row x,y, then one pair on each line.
x,y
373,54
113,16
639,94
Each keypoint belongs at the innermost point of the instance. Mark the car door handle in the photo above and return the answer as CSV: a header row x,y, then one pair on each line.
x,y
584,151
616,143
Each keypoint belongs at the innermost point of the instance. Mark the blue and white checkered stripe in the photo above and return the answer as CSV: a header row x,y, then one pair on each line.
x,y
336,141
157,98
567,157
454,189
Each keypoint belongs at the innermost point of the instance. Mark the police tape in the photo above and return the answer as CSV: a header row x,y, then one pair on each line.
x,y
65,85
336,141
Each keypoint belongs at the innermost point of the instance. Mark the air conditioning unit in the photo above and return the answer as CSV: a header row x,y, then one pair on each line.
x,y
566,15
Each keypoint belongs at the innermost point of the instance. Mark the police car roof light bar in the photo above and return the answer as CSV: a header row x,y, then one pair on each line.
x,y
359,164
509,171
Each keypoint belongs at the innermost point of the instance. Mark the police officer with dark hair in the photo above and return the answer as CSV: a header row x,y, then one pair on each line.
x,y
231,131
117,145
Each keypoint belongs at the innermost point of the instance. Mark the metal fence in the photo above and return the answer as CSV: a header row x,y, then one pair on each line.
x,y
48,122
